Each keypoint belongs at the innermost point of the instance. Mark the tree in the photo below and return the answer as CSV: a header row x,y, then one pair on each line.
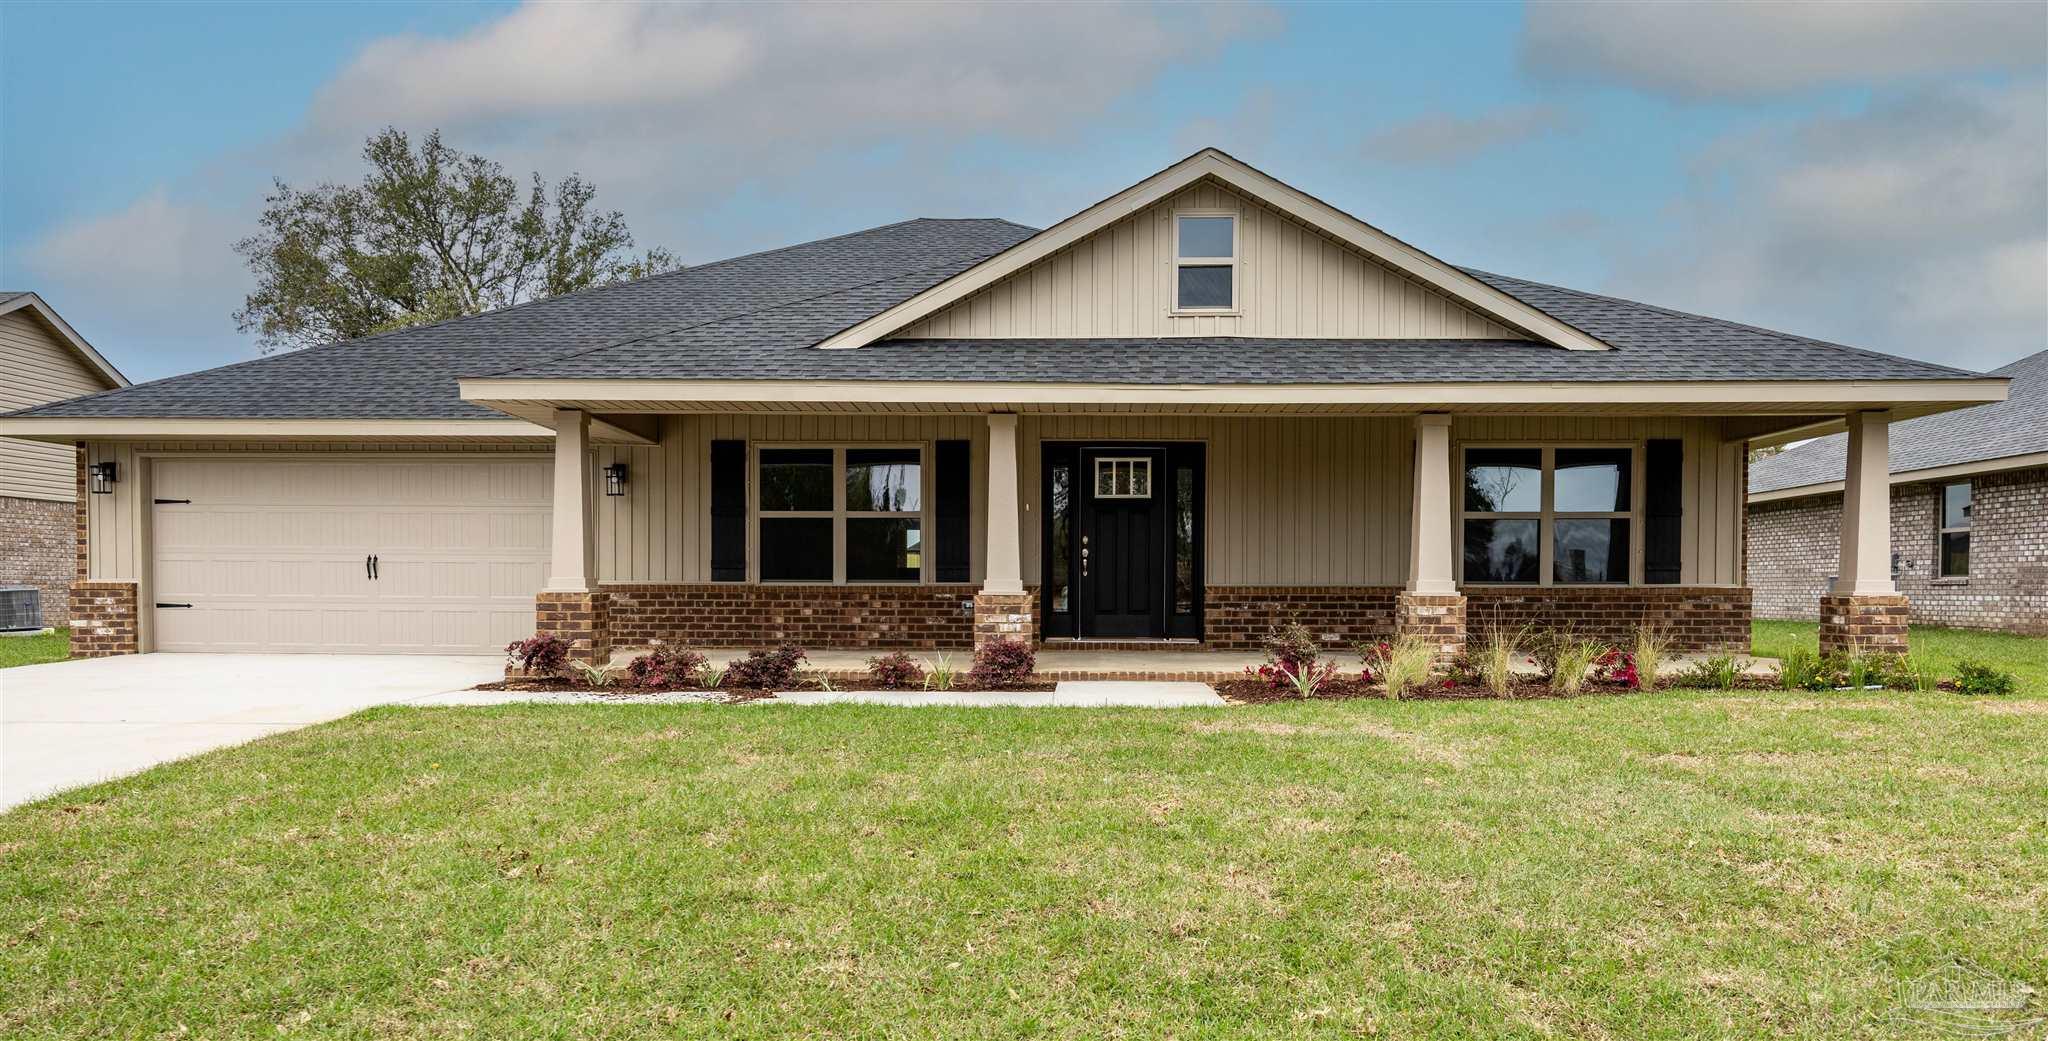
x,y
431,233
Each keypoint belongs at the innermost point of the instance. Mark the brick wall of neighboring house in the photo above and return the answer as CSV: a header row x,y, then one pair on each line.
x,y
933,617
37,549
1794,547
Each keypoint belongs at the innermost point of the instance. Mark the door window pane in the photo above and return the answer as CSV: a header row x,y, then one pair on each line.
x,y
1501,550
883,549
1184,540
1588,550
1205,286
883,480
796,479
1955,506
1955,554
1062,507
1206,237
796,549
1503,480
1592,480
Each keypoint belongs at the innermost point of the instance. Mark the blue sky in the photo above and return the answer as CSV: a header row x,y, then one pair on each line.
x,y
1876,175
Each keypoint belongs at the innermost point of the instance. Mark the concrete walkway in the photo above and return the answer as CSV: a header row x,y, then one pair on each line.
x,y
76,722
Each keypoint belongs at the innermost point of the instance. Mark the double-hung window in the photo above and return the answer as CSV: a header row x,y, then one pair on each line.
x,y
841,514
1205,262
1955,530
1549,516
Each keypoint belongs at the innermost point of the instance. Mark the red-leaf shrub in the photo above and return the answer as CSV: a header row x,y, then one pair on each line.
x,y
664,667
896,671
1003,662
544,654
765,670
1618,666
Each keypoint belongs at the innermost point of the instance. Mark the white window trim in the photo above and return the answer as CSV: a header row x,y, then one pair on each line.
x,y
1234,262
1547,514
1941,573
838,514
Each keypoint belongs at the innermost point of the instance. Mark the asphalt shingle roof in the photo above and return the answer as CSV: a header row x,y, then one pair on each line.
x,y
758,317
2016,426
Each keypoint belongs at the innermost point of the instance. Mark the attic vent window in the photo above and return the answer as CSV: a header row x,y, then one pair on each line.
x,y
1205,263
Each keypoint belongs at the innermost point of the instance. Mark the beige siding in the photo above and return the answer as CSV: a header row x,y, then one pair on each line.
x,y
36,367
1294,281
1291,501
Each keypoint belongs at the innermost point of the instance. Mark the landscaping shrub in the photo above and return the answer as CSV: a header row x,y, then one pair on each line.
x,y
1571,662
544,654
1403,665
896,671
1496,659
1003,662
1649,652
596,677
1804,670
1618,666
665,667
1292,646
1720,672
1977,678
765,670
943,673
1291,665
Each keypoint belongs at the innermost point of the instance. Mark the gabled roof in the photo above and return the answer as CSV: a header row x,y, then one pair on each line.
x,y
23,300
1211,163
1986,437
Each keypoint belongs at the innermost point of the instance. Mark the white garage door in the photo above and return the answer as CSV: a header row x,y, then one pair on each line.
x,y
276,555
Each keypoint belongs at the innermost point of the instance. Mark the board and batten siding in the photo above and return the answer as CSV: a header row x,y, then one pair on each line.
x,y
1294,281
1293,501
36,368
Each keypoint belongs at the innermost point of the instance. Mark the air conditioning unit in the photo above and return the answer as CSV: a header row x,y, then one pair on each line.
x,y
21,609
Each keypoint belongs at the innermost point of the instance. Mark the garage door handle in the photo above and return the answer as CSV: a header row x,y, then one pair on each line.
x,y
367,573
373,568
173,502
174,605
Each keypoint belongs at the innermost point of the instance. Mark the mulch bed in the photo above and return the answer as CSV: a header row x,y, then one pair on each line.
x,y
1256,692
559,685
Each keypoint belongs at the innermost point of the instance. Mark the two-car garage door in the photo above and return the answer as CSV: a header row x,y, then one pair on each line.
x,y
348,555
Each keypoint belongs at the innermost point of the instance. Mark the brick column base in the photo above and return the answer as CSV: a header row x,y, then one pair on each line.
x,y
583,619
103,619
1859,625
1438,618
998,615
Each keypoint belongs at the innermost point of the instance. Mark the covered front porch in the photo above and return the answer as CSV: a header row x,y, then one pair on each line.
x,y
1183,533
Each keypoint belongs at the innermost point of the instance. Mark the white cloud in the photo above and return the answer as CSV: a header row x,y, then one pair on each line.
x,y
1918,226
1696,49
161,253
1443,139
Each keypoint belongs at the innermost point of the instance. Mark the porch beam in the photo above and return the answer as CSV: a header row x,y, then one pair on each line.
x,y
1004,558
1430,570
574,553
1866,564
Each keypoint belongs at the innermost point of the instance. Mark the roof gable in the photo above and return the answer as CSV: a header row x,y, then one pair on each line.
x,y
64,337
1244,182
1292,280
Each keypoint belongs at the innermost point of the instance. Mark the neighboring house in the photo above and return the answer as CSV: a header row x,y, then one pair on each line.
x,y
42,359
1969,514
1206,404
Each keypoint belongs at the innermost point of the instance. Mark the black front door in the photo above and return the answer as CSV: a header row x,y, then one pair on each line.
x,y
1123,546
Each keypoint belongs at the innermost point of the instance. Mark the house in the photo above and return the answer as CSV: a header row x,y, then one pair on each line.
x,y
1969,514
1206,404
42,359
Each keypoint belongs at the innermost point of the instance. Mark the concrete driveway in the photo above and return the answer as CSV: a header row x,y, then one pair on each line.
x,y
75,722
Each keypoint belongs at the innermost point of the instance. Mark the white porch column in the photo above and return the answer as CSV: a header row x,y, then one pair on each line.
x,y
1866,567
1430,570
570,568
1004,560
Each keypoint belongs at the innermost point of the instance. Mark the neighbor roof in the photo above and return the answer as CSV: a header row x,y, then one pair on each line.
x,y
27,300
759,317
2017,426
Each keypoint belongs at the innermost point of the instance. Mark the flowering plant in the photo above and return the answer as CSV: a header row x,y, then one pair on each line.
x,y
1618,666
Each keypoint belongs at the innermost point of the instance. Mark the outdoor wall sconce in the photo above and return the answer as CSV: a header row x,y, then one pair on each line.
x,y
615,479
103,478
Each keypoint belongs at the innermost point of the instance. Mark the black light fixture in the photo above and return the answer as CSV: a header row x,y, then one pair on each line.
x,y
103,478
615,479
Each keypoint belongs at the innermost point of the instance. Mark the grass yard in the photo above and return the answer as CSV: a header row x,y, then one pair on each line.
x,y
2026,657
1658,866
34,650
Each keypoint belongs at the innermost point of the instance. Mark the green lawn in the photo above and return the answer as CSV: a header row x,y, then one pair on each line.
x,y
34,650
1655,866
2026,657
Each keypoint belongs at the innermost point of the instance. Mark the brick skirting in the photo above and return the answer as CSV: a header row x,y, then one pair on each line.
x,y
1237,618
1693,618
1005,616
1857,625
103,619
583,619
927,617
37,549
1436,617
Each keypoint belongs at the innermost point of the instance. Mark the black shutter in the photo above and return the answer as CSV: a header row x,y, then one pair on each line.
x,y
728,511
1663,510
953,479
